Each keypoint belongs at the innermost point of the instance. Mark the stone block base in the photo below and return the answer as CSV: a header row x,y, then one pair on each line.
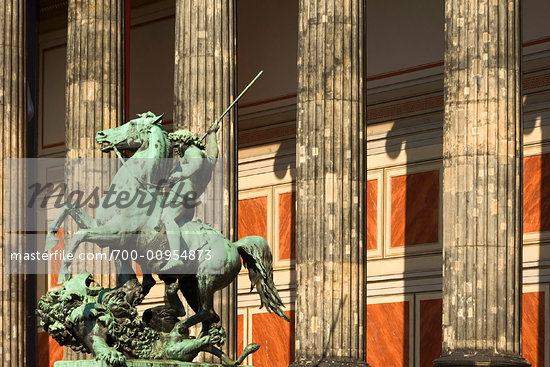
x,y
139,363
330,362
461,359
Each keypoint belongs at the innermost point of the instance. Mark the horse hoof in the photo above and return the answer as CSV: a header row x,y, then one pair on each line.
x,y
64,279
51,241
64,275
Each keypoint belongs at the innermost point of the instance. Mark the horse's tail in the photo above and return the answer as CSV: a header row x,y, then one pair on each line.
x,y
257,258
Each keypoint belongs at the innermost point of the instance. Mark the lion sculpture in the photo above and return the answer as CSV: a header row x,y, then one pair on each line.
x,y
105,322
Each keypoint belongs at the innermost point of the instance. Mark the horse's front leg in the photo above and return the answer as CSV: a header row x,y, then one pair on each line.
x,y
64,272
100,236
83,219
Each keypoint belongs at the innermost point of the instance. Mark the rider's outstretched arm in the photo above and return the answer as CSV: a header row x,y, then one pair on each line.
x,y
212,142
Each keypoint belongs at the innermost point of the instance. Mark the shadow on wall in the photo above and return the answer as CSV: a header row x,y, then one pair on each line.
x,y
536,221
414,225
414,195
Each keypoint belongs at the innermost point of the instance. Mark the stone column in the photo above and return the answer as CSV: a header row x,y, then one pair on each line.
x,y
482,185
331,186
13,125
95,73
94,90
204,86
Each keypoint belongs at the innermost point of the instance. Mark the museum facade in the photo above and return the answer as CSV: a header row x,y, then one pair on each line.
x,y
394,154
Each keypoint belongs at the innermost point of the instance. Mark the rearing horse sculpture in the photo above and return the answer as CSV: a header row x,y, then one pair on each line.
x,y
134,228
113,223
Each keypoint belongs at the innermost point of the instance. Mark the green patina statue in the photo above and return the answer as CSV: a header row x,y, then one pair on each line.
x,y
105,321
192,175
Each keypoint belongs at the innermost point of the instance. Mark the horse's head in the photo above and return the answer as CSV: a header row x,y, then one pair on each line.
x,y
130,136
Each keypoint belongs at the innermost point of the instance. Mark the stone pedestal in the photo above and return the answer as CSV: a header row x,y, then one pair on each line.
x,y
482,185
139,363
331,186
13,139
204,86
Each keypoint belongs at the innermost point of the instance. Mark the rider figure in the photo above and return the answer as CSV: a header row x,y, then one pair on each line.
x,y
187,183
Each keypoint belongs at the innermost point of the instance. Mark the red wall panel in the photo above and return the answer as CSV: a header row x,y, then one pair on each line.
x,y
240,334
253,217
276,337
430,331
533,328
287,225
388,334
372,214
414,209
49,351
536,193
55,263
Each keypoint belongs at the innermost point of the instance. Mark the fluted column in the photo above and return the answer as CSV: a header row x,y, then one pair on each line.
x,y
331,185
95,73
482,185
13,307
94,95
204,86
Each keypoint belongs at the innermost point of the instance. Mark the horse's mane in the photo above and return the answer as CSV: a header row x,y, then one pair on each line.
x,y
164,134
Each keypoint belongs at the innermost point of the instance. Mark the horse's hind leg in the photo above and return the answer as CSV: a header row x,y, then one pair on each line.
x,y
189,288
206,314
206,296
148,283
124,272
73,210
173,298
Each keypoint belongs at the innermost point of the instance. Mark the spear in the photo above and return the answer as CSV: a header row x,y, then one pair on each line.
x,y
235,101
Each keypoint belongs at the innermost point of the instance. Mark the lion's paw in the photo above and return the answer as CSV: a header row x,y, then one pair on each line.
x,y
216,335
112,357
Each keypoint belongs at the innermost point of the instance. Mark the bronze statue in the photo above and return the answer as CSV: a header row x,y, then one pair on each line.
x,y
84,317
190,177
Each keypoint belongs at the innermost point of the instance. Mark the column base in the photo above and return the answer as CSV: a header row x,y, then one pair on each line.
x,y
139,363
330,362
465,359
